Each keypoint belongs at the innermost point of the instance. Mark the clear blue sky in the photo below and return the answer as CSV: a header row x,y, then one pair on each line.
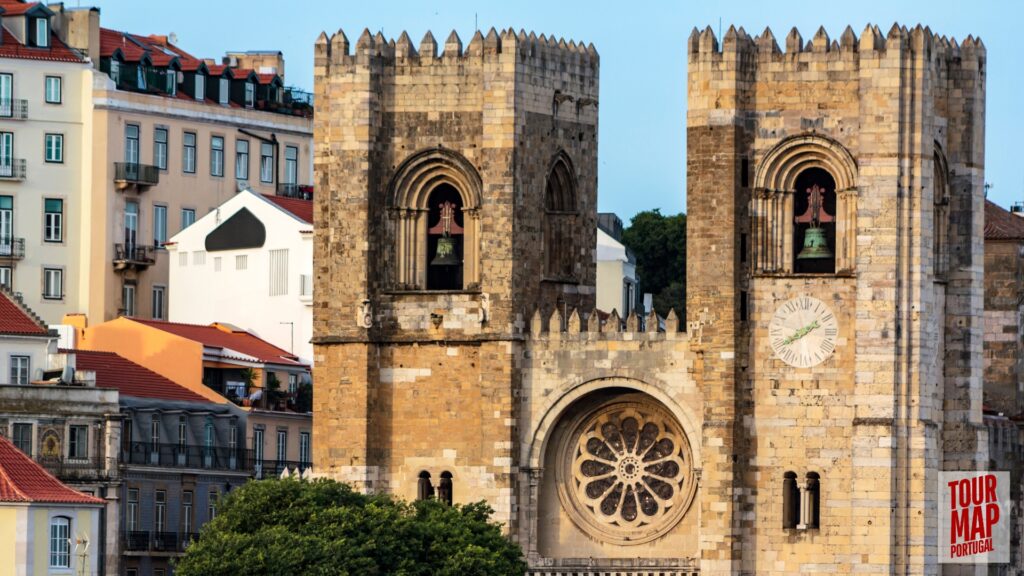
x,y
643,59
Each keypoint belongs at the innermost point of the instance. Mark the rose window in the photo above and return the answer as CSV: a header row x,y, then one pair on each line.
x,y
630,474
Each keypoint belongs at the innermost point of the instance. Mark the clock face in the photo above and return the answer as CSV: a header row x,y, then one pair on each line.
x,y
803,332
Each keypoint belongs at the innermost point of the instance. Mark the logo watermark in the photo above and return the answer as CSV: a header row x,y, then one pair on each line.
x,y
974,517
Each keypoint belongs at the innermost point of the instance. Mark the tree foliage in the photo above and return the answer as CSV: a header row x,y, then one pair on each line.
x,y
325,528
659,244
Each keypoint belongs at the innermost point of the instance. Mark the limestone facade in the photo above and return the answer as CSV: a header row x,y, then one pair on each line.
x,y
512,386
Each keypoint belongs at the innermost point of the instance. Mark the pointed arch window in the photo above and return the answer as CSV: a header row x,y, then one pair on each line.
x,y
560,215
940,230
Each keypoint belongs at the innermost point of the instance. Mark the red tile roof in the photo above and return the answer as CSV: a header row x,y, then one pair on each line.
x,y
224,337
1002,225
131,379
266,78
58,51
16,7
23,480
111,41
302,209
17,319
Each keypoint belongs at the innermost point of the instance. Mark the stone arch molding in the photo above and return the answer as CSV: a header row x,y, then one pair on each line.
x,y
774,186
408,193
556,408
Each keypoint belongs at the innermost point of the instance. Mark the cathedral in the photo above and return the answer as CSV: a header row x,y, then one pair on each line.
x,y
830,361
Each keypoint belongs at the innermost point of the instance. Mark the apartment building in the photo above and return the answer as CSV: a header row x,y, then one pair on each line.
x,y
45,93
112,142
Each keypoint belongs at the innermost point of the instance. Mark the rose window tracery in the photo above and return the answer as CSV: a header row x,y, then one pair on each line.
x,y
629,475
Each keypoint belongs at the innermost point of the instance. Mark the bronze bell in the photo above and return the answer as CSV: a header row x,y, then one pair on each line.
x,y
445,255
815,245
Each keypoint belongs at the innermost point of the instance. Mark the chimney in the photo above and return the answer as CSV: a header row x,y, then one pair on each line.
x,y
80,29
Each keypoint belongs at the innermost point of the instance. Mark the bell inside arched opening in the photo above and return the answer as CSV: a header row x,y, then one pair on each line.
x,y
445,237
814,222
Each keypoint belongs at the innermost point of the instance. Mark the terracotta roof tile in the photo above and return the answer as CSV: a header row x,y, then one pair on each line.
x,y
223,337
131,379
58,51
302,209
1002,225
16,7
17,319
23,480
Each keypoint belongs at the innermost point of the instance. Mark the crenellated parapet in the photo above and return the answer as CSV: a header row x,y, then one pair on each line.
x,y
599,326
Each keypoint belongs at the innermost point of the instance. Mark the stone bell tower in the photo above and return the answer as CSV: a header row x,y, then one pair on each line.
x,y
455,193
835,212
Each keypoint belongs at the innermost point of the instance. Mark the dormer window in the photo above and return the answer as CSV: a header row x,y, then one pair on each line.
x,y
41,28
115,70
250,94
200,89
171,79
223,91
140,79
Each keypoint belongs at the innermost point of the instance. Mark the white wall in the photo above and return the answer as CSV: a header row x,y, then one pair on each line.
x,y
199,294
613,267
35,348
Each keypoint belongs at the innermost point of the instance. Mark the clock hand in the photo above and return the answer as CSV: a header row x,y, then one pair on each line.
x,y
801,333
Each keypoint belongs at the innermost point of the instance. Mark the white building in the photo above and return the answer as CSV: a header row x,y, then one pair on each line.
x,y
248,263
617,285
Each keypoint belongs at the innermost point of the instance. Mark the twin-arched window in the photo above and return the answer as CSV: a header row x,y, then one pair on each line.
x,y
801,505
425,489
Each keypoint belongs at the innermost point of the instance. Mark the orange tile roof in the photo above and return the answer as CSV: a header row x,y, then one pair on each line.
x,y
1002,225
223,337
58,51
302,209
131,379
16,7
23,480
17,319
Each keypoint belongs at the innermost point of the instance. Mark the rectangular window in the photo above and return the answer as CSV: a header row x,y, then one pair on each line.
x,y
242,159
291,164
306,285
42,32
186,513
241,262
53,220
158,302
126,435
54,148
7,277
257,446
78,442
188,217
131,226
159,225
22,436
199,258
282,445
293,383
223,90
250,94
266,162
188,157
19,370
115,71
60,546
160,148
53,283
279,272
140,76
131,572
216,263
131,144
52,90
160,511
211,505
128,299
171,82
304,448
183,259
233,437
216,155
6,95
131,512
154,433
6,225
200,88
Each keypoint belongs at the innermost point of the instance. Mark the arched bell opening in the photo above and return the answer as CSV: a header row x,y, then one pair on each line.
x,y
445,238
814,222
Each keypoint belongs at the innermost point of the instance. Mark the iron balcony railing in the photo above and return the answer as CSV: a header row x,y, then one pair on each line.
x,y
185,456
133,254
13,109
68,469
12,168
274,468
303,191
12,248
152,541
126,173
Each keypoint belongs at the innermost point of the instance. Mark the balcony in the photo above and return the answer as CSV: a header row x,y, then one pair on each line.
x,y
12,249
133,257
150,541
79,469
12,169
302,191
13,109
273,468
141,176
184,456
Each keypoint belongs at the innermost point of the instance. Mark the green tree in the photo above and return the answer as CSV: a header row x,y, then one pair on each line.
x,y
325,528
659,244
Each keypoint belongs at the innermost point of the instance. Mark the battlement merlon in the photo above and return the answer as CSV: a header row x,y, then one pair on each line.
x,y
525,49
704,46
